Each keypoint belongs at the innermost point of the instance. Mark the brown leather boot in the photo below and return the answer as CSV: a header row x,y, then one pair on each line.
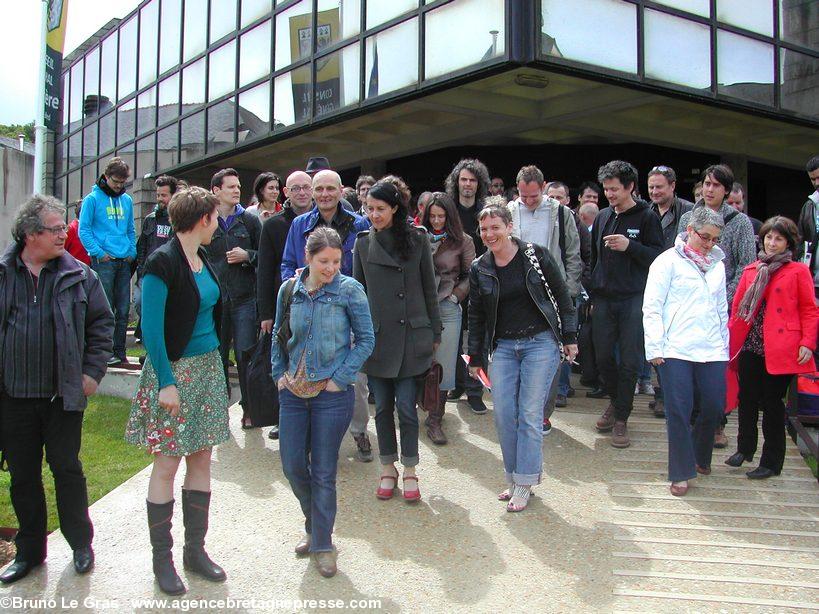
x,y
434,431
606,422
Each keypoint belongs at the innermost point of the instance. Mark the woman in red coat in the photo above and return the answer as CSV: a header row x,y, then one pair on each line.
x,y
772,337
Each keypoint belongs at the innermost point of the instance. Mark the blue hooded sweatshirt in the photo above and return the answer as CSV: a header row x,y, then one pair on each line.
x,y
107,223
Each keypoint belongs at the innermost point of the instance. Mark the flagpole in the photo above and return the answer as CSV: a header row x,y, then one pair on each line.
x,y
39,121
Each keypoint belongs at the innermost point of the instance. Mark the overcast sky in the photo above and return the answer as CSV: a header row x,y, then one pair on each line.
x,y
23,45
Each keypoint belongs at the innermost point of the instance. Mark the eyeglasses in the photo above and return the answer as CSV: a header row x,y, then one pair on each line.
x,y
299,188
707,239
56,230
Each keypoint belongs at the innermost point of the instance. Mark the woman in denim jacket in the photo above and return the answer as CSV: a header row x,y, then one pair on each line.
x,y
315,378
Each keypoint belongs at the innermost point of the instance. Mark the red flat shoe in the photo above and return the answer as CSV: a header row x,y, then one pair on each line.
x,y
412,495
679,490
387,493
506,495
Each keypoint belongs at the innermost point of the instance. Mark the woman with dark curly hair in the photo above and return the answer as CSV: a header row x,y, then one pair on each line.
x,y
393,261
772,337
266,189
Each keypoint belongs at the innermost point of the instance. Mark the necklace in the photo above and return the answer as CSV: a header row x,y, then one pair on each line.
x,y
195,264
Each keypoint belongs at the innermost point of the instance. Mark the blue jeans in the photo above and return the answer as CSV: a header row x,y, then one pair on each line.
x,y
239,326
310,434
447,354
645,373
391,394
522,371
683,381
115,277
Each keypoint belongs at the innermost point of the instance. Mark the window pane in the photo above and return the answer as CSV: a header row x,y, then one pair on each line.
x,y
60,157
193,85
125,121
291,97
379,11
169,98
221,125
107,132
92,83
753,15
89,142
127,154
744,68
293,34
688,61
75,187
222,18
170,42
196,18
145,155
108,76
66,98
76,94
254,112
800,82
797,22
146,111
254,54
89,177
337,80
60,188
254,9
193,137
338,20
698,7
222,71
75,150
586,36
167,145
148,25
479,36
127,54
392,59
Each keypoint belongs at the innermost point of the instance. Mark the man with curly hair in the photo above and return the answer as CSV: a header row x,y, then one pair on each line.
x,y
468,186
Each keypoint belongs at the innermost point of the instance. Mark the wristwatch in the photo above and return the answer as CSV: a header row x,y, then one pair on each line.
x,y
453,298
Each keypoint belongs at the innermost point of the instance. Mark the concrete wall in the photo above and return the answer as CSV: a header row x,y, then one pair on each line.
x,y
16,182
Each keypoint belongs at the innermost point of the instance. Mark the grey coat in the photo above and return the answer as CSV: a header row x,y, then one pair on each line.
x,y
83,324
403,297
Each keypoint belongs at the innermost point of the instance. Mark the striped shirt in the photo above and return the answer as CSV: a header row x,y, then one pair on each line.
x,y
28,350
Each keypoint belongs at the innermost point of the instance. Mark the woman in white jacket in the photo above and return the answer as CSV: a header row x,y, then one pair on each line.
x,y
685,319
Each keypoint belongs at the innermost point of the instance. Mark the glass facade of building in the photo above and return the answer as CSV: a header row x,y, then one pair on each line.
x,y
180,81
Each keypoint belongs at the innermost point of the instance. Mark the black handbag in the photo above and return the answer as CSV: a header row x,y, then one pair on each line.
x,y
262,396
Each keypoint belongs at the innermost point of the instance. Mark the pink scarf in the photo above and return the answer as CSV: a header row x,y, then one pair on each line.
x,y
703,261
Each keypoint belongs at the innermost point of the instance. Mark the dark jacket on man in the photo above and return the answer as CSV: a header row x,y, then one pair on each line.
x,y
809,234
620,275
585,249
237,281
484,290
403,296
156,231
269,260
671,219
83,324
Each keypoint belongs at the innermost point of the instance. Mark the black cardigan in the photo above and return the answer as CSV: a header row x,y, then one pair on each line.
x,y
170,264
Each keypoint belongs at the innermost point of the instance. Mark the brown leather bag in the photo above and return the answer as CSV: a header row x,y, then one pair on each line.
x,y
429,387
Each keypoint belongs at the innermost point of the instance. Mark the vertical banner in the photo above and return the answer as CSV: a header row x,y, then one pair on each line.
x,y
55,38
328,71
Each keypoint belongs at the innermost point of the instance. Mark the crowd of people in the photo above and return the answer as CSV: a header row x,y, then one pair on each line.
x,y
370,296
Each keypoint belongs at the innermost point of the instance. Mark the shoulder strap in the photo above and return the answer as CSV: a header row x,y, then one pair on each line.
x,y
530,254
731,215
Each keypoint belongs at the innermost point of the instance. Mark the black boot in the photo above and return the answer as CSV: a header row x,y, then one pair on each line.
x,y
195,506
159,527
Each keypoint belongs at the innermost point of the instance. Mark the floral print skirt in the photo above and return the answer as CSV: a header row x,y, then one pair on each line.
x,y
202,421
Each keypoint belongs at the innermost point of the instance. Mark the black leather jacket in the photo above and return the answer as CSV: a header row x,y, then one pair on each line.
x,y
483,301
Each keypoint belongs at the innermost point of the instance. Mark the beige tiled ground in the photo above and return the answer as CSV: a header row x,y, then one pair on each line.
x,y
602,534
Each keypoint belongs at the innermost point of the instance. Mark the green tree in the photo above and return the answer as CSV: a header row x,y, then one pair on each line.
x,y
14,129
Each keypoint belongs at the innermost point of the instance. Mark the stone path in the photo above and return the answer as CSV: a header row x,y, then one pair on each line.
x,y
602,534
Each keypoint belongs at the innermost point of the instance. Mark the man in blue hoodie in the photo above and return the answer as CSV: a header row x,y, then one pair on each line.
x,y
107,233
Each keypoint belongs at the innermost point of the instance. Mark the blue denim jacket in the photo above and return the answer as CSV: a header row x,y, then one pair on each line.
x,y
321,326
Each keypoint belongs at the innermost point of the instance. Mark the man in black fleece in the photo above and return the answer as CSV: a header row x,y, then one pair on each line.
x,y
626,238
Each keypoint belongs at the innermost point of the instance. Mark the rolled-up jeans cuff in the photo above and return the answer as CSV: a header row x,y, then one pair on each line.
x,y
526,479
409,461
388,459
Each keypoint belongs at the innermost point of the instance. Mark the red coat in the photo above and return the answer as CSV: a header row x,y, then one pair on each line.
x,y
791,320
73,245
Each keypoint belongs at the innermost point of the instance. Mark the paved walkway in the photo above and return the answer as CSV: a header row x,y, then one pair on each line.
x,y
602,534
